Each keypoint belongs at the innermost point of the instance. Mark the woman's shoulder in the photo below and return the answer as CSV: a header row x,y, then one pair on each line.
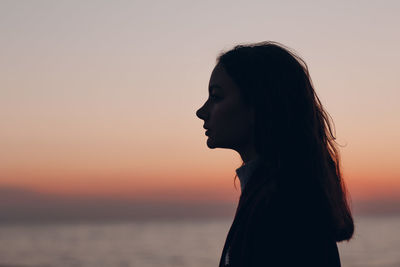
x,y
269,203
276,224
283,229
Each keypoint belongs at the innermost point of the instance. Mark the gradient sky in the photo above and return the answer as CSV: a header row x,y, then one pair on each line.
x,y
99,97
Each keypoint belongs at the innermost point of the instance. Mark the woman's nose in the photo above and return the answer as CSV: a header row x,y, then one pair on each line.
x,y
201,112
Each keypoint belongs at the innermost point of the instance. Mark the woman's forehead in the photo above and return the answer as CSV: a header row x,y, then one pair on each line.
x,y
217,74
220,80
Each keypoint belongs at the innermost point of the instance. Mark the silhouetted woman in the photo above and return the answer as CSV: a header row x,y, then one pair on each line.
x,y
293,207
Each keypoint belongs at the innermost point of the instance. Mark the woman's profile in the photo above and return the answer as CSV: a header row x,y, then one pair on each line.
x,y
293,208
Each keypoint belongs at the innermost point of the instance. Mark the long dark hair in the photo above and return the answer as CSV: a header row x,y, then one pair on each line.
x,y
293,133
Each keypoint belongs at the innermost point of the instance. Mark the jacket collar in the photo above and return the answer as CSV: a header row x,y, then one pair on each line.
x,y
246,171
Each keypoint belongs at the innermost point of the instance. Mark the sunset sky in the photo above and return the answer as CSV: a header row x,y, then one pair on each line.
x,y
99,97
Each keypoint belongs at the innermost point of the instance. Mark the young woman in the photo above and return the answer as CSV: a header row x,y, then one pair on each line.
x,y
293,207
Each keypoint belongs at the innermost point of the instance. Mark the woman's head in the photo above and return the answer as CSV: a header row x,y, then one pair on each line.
x,y
227,118
276,84
275,113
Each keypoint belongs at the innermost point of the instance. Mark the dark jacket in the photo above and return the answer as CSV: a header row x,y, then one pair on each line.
x,y
278,224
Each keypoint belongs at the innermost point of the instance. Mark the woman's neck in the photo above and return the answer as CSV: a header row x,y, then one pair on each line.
x,y
248,154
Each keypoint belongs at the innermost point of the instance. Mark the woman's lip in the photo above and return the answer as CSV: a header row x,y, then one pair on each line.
x,y
207,132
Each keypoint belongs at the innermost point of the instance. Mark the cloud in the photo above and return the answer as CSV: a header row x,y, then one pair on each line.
x,y
377,206
24,205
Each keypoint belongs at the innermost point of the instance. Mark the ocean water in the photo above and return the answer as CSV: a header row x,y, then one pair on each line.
x,y
167,243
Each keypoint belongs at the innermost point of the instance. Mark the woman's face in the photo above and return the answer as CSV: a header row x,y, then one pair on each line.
x,y
227,119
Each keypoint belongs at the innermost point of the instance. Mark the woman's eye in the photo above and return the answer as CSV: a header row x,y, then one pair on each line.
x,y
215,97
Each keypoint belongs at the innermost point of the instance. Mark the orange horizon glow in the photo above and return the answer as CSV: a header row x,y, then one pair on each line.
x,y
206,185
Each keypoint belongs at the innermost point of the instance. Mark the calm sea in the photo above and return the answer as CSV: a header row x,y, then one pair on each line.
x,y
167,243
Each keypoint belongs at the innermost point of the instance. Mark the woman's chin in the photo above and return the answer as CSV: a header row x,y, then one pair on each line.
x,y
210,143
